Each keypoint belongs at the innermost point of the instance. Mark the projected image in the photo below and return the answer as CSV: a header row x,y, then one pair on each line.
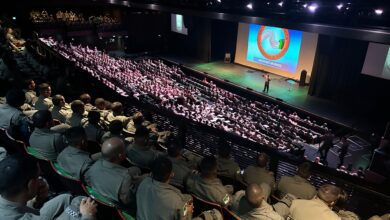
x,y
386,67
177,24
274,47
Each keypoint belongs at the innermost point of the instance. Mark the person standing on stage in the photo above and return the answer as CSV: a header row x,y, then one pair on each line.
x,y
266,83
325,146
343,150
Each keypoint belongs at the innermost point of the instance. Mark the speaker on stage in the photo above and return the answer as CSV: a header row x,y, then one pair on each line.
x,y
228,58
302,80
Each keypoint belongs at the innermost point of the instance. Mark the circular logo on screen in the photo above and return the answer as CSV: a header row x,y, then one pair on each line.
x,y
273,42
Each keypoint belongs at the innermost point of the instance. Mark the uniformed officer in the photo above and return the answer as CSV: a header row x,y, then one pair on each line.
x,y
259,174
298,185
114,130
155,191
109,178
250,204
93,127
180,167
44,100
207,186
86,98
20,185
74,159
48,143
140,152
319,208
59,111
226,165
117,114
78,116
11,118
29,92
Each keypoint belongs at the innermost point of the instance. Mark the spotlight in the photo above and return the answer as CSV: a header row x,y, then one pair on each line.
x,y
281,4
268,3
305,5
219,1
250,6
13,18
340,6
378,11
313,7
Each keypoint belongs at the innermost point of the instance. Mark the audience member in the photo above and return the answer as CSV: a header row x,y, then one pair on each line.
x,y
114,130
180,167
77,118
86,99
44,101
259,174
93,127
24,194
29,91
226,165
59,111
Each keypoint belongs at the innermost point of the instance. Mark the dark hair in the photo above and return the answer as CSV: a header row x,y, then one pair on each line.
x,y
75,135
304,170
142,131
43,87
93,117
15,98
208,165
56,99
41,118
262,159
138,119
224,149
85,97
76,105
161,169
27,83
174,148
15,173
99,101
116,127
117,107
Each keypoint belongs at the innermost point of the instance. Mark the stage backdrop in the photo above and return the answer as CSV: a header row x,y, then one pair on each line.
x,y
277,50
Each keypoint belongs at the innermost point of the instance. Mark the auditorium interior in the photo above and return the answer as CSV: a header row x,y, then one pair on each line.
x,y
195,109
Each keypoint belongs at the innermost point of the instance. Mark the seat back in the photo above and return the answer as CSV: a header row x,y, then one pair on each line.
x,y
107,209
227,214
48,172
123,215
10,144
74,185
201,205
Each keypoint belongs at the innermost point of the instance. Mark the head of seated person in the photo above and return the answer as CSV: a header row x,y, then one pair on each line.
x,y
208,167
174,149
77,137
113,150
304,170
77,107
58,100
45,90
108,105
100,104
116,127
224,150
138,119
15,98
94,117
141,136
254,195
162,169
117,108
19,178
42,119
329,194
86,98
262,160
29,84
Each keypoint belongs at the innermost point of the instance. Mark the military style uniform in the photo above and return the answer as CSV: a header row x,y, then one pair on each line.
x,y
43,103
60,113
170,201
113,181
209,189
31,97
245,211
48,143
141,157
75,120
227,167
296,185
181,171
74,161
11,117
94,133
311,209
61,207
258,175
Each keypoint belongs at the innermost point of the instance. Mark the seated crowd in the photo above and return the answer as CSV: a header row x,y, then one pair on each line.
x,y
71,17
150,80
128,167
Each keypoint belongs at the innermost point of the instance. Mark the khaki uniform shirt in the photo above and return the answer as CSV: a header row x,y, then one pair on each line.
x,y
227,167
74,161
311,209
113,181
141,157
209,189
10,117
124,119
181,171
245,211
43,103
61,207
61,114
31,97
160,201
88,107
48,143
296,185
258,175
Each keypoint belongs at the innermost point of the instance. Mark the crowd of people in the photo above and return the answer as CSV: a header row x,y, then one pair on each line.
x,y
71,17
199,100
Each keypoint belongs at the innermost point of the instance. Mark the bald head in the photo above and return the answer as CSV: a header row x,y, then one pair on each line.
x,y
329,194
113,150
255,195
